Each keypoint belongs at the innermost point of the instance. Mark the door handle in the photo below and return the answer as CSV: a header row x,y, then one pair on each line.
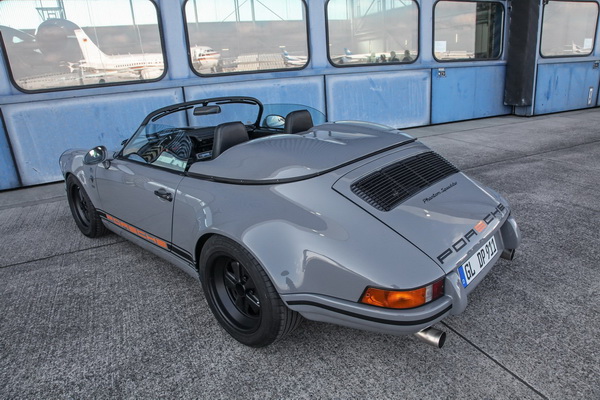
x,y
163,194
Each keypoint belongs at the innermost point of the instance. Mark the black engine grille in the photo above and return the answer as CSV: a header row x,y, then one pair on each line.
x,y
386,188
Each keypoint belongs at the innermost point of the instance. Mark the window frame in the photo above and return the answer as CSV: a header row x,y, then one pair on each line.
x,y
10,74
388,64
259,71
591,53
503,34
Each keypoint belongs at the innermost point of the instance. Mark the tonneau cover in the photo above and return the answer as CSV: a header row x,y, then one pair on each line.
x,y
289,157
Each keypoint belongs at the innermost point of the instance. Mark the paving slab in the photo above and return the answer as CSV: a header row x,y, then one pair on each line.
x,y
32,195
85,318
120,322
542,309
585,157
468,155
41,230
442,129
539,135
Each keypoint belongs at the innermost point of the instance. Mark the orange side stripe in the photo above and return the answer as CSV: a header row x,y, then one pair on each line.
x,y
138,232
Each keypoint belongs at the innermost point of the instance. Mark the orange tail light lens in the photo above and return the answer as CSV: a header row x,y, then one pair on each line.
x,y
403,298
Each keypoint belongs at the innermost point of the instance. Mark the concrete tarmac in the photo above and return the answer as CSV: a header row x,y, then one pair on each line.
x,y
84,318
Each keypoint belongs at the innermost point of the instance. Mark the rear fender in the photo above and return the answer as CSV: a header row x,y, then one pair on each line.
x,y
308,238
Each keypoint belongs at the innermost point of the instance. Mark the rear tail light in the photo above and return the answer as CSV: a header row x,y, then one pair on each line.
x,y
403,298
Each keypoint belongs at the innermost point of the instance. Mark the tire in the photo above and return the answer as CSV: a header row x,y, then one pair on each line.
x,y
241,295
84,213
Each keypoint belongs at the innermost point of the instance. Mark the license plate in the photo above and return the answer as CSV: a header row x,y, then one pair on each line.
x,y
478,261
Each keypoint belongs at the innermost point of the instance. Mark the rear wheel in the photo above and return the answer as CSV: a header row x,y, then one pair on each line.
x,y
86,217
241,295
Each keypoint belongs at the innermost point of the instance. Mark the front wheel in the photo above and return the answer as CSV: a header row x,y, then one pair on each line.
x,y
241,295
86,217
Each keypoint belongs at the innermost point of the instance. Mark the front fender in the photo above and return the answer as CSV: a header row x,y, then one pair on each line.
x,y
71,163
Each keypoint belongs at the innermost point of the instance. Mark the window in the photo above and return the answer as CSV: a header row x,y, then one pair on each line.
x,y
568,28
54,44
233,36
372,31
467,30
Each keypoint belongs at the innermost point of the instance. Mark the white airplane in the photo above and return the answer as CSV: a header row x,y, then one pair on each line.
x,y
350,58
204,57
580,49
293,61
147,65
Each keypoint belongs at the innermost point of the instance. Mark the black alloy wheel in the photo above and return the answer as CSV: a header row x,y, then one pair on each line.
x,y
84,213
81,206
236,291
241,295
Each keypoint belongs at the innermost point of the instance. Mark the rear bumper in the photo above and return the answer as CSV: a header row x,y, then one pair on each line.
x,y
401,322
360,316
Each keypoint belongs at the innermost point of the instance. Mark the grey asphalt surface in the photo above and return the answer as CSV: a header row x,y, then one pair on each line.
x,y
83,318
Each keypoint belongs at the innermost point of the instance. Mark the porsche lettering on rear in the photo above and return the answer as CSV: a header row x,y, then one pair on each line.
x,y
463,241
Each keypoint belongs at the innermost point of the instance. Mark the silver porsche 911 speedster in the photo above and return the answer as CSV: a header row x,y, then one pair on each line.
x,y
282,215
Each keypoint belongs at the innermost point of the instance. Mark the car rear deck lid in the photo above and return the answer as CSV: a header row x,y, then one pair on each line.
x,y
434,217
284,158
389,186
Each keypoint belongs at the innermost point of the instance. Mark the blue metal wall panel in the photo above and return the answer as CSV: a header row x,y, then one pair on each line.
x,y
399,99
5,86
566,86
41,131
307,91
8,172
467,93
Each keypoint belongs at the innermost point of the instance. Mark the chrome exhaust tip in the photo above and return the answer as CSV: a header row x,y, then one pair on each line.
x,y
508,254
432,336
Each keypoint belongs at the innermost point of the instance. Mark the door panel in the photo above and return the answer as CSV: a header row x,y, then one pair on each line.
x,y
461,93
568,86
8,171
399,98
127,192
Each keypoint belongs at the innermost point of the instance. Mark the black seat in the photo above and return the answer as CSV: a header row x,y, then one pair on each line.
x,y
228,135
298,121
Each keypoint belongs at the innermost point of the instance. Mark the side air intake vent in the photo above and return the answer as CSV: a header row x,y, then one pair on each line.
x,y
386,188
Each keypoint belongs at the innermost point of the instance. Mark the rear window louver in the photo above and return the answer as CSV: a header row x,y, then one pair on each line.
x,y
386,188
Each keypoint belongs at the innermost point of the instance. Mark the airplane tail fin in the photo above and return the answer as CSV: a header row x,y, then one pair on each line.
x,y
347,51
91,53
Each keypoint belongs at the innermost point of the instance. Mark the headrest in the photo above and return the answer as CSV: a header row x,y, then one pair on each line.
x,y
298,121
228,135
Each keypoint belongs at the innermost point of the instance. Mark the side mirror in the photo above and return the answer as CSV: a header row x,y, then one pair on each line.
x,y
96,155
274,121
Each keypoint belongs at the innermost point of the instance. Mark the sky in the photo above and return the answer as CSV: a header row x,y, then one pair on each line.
x,y
22,14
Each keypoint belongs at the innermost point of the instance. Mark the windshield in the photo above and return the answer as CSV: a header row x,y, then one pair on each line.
x,y
177,136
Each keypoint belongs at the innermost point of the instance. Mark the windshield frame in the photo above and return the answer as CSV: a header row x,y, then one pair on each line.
x,y
164,111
